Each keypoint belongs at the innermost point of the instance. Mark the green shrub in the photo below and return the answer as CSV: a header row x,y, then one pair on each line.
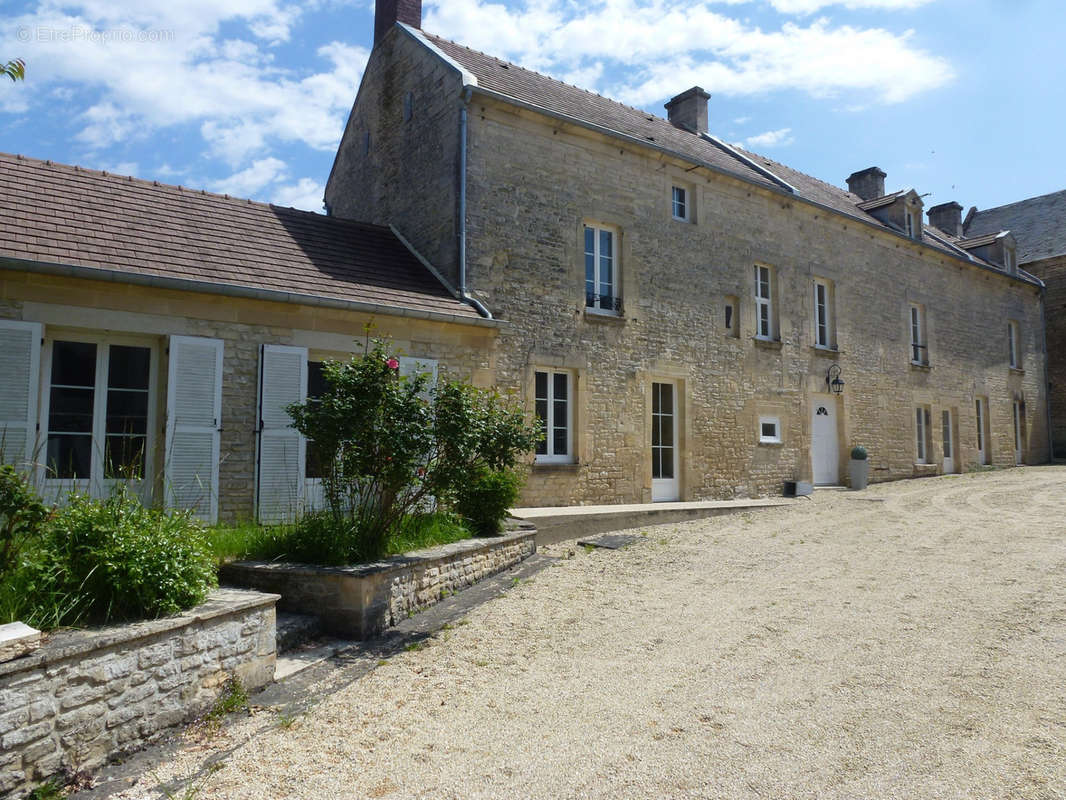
x,y
485,499
22,515
119,560
858,453
388,446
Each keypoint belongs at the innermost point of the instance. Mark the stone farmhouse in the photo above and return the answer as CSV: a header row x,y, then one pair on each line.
x,y
1039,224
689,320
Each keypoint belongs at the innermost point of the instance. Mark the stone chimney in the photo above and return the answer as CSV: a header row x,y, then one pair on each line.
x,y
947,217
868,183
388,12
688,110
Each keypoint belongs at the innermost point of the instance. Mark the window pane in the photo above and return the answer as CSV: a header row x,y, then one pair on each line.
x,y
124,457
656,463
542,385
729,317
559,442
666,433
316,380
560,381
128,367
69,456
542,415
769,430
71,410
666,465
73,364
127,411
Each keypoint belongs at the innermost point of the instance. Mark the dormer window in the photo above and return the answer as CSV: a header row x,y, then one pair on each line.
x,y
912,223
1010,260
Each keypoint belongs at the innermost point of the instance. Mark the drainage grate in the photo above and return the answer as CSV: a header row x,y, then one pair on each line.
x,y
611,541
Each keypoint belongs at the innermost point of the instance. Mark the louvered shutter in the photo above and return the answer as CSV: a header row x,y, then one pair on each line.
x,y
280,483
416,366
20,369
194,420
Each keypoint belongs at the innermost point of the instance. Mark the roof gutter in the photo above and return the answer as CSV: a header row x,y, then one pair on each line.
x,y
234,290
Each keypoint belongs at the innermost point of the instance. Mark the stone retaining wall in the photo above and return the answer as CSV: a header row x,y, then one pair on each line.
x,y
88,695
361,601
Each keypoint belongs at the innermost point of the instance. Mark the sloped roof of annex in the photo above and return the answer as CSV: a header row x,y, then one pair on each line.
x,y
68,220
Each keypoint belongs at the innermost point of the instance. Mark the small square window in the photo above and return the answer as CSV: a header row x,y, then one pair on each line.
x,y
769,430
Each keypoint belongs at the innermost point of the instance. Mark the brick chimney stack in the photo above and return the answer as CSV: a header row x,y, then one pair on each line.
x,y
388,12
868,183
688,110
947,217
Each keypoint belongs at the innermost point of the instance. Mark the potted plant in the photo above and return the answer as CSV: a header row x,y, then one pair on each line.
x,y
859,468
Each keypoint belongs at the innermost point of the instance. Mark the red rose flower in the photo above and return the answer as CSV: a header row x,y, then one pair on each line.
x,y
392,363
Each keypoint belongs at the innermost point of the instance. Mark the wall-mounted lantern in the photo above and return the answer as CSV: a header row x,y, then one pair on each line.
x,y
832,379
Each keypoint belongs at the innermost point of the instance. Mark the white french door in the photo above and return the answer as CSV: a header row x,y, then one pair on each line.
x,y
665,485
949,441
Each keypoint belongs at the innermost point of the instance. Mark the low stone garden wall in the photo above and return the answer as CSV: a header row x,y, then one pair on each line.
x,y
85,696
361,601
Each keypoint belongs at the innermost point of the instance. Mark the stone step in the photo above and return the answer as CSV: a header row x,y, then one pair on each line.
x,y
295,629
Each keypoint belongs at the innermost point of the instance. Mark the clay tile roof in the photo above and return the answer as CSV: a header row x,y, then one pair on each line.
x,y
540,91
1038,225
58,214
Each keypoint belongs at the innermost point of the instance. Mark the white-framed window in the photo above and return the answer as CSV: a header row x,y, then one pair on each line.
x,y
824,330
601,269
1010,260
679,203
98,411
765,327
769,430
553,394
919,347
921,433
912,223
1013,344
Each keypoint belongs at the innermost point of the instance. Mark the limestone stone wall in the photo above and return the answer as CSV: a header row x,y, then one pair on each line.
x,y
1053,272
86,696
68,306
403,132
534,182
361,601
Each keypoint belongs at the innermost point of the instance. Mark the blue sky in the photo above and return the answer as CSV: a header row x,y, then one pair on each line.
x,y
961,99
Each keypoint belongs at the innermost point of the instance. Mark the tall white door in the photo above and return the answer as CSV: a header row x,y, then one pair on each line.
x,y
825,441
949,442
981,411
665,485
1017,432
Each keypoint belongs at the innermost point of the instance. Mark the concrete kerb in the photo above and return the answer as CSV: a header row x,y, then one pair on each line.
x,y
561,524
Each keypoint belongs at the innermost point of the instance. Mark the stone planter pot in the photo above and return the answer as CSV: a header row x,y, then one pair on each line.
x,y
859,472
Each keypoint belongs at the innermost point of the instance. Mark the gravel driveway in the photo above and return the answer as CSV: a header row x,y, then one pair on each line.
x,y
908,641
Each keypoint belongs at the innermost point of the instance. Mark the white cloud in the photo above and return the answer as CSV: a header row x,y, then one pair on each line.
x,y
811,6
665,46
305,193
779,138
252,180
159,63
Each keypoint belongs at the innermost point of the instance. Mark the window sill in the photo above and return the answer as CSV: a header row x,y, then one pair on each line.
x,y
1016,370
920,367
555,466
830,352
684,220
769,344
770,443
595,315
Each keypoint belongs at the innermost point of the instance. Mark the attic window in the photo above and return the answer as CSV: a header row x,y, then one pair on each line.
x,y
1010,260
912,223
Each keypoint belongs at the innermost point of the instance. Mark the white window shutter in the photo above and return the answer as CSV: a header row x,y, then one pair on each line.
x,y
282,449
20,370
417,366
194,420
